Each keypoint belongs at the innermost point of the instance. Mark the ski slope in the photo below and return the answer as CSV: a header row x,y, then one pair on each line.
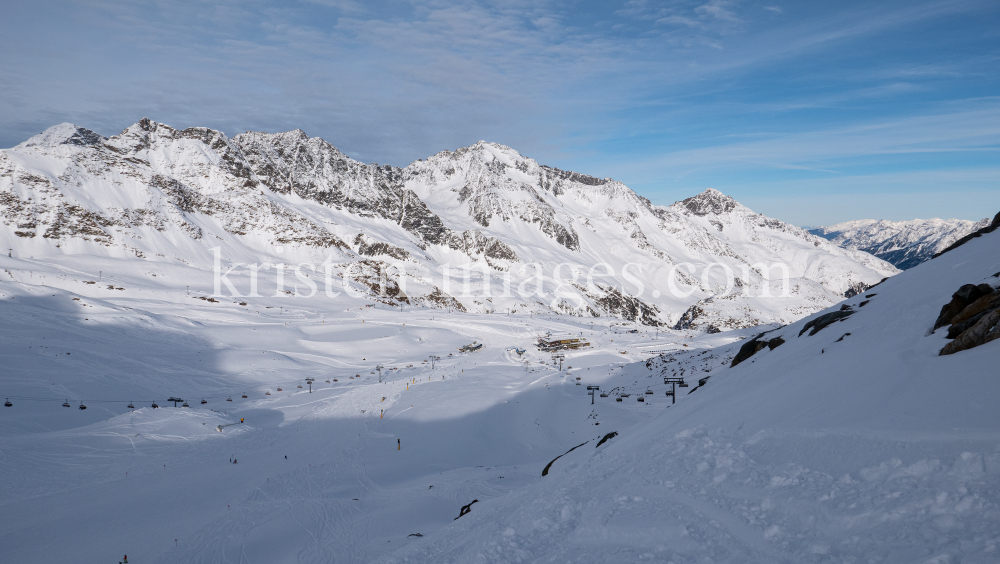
x,y
108,481
868,448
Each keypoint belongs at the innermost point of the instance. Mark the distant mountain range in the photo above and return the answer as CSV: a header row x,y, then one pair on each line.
x,y
905,244
158,194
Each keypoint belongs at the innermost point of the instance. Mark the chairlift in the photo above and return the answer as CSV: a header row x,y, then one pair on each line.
x,y
641,398
244,395
299,386
130,406
82,406
66,404
154,405
333,380
185,404
626,395
204,401
618,399
279,389
327,381
649,392
7,403
604,394
267,393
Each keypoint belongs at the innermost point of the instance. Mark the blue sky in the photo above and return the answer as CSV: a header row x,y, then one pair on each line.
x,y
812,112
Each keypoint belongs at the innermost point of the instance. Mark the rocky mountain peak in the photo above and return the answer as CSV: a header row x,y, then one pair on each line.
x,y
63,134
709,202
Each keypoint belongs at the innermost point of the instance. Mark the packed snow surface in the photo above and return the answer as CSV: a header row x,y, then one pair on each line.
x,y
856,444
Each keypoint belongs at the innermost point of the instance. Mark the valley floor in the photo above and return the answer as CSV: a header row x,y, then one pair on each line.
x,y
345,473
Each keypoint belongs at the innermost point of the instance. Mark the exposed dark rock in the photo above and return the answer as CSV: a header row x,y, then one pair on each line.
x,y
545,471
466,509
709,202
842,337
856,288
368,248
862,304
965,295
984,303
819,323
986,329
753,346
617,304
610,435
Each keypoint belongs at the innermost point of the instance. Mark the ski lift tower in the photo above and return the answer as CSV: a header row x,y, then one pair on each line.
x,y
674,382
310,382
592,390
560,358
175,400
379,368
433,359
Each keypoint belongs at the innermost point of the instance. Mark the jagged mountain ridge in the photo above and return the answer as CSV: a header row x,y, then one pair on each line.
x,y
905,244
154,191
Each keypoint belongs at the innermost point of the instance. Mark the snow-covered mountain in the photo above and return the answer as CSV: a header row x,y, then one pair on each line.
x,y
905,244
482,228
834,440
857,434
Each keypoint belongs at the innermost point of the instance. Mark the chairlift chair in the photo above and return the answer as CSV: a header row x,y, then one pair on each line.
x,y
204,401
154,405
7,403
130,406
267,393
82,406
618,399
66,404
299,386
641,398
185,404
279,389
327,381
649,392
244,395
604,394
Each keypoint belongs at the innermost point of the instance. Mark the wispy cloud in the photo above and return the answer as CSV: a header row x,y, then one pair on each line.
x,y
641,90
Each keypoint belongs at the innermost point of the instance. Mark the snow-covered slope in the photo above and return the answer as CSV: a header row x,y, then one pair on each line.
x,y
854,443
857,443
905,244
481,228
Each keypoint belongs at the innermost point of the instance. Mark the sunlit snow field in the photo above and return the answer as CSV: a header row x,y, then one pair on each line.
x,y
158,483
857,444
